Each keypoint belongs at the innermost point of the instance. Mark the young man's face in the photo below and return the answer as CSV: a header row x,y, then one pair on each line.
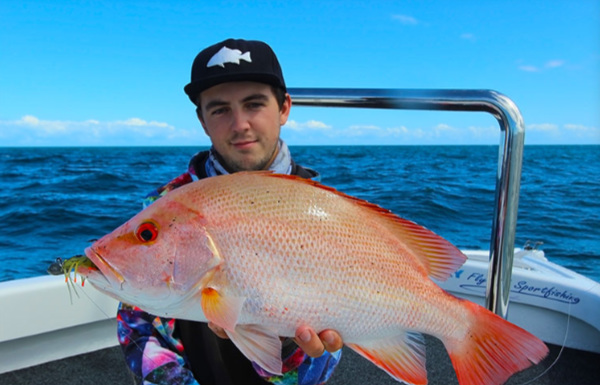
x,y
243,121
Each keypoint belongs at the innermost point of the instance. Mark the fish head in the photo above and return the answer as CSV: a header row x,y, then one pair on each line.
x,y
155,260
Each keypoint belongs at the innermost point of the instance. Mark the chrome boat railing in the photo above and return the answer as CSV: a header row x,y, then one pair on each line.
x,y
509,162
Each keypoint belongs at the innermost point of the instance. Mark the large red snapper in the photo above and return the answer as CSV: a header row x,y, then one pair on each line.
x,y
261,254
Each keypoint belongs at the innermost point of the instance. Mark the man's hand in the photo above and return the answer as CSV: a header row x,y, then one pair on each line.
x,y
315,345
307,339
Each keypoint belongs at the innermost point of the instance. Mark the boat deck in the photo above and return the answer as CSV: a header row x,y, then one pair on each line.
x,y
106,367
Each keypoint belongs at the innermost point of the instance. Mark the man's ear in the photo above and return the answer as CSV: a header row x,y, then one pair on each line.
x,y
201,119
285,109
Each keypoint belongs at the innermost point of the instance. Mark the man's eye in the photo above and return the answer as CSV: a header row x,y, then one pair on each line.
x,y
218,111
254,106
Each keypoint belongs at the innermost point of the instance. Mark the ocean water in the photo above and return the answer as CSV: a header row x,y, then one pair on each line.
x,y
53,201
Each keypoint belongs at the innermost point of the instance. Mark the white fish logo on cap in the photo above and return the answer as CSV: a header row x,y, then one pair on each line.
x,y
228,55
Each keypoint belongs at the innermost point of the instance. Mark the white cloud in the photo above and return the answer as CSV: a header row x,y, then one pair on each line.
x,y
444,134
589,135
398,131
579,127
550,133
555,63
48,127
442,127
364,130
32,120
543,127
30,130
529,68
468,36
365,127
135,122
313,125
405,19
441,133
479,133
317,124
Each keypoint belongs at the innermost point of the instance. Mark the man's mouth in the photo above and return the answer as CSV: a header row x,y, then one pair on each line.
x,y
243,144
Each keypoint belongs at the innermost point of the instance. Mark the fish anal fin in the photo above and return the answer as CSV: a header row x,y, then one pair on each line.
x,y
402,357
223,311
260,345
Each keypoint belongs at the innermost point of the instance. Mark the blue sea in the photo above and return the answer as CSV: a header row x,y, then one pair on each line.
x,y
53,201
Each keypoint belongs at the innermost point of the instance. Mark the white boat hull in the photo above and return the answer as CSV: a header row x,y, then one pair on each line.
x,y
557,305
41,322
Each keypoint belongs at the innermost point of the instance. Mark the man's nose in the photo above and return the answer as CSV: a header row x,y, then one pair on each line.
x,y
240,120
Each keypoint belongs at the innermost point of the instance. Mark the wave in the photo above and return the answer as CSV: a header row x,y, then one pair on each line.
x,y
52,201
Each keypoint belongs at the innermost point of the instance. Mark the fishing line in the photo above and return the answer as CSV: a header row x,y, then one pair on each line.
x,y
108,317
71,283
562,348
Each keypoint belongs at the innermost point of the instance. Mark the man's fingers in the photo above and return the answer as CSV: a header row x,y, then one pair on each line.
x,y
312,344
331,340
309,342
315,345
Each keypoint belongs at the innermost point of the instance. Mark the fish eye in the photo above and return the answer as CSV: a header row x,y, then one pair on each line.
x,y
146,232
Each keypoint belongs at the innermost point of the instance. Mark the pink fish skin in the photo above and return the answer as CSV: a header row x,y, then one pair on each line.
x,y
261,254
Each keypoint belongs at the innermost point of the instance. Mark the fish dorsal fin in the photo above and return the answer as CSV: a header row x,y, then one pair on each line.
x,y
439,257
402,357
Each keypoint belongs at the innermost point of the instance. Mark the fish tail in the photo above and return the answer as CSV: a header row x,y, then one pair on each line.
x,y
246,56
493,350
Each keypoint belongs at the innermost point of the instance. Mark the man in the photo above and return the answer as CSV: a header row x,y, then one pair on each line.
x,y
241,100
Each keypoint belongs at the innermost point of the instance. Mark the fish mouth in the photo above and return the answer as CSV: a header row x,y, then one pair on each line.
x,y
102,267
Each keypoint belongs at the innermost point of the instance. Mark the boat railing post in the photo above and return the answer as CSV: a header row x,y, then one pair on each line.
x,y
509,161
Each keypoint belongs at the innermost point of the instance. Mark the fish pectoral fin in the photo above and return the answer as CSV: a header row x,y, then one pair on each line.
x,y
402,357
260,345
221,310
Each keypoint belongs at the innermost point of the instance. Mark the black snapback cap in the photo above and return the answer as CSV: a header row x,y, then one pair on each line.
x,y
234,60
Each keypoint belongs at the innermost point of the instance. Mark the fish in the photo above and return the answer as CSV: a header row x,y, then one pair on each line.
x,y
261,254
228,55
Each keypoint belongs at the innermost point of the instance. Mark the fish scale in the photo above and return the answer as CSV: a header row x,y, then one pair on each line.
x,y
331,254
266,220
260,254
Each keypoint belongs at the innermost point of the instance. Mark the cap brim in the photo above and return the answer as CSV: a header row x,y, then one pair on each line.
x,y
194,89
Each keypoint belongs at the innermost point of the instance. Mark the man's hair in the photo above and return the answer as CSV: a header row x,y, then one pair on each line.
x,y
279,96
278,92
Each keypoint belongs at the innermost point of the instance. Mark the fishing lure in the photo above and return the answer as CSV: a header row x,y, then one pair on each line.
x,y
59,267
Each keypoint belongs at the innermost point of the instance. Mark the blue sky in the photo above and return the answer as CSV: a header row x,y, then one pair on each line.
x,y
78,73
